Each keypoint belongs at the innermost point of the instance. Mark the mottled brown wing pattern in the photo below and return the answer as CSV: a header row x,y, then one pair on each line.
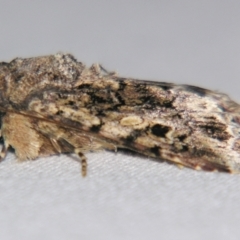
x,y
62,106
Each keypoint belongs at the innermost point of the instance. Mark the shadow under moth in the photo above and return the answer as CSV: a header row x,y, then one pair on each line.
x,y
55,104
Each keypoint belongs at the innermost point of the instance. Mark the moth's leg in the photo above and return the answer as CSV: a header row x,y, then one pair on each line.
x,y
3,152
55,144
83,160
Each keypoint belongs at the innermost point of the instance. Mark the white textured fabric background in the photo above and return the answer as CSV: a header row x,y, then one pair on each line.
x,y
124,196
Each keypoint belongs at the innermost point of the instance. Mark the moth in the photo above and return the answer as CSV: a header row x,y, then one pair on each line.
x,y
55,104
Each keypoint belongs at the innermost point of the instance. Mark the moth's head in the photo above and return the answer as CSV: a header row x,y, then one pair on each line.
x,y
4,73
